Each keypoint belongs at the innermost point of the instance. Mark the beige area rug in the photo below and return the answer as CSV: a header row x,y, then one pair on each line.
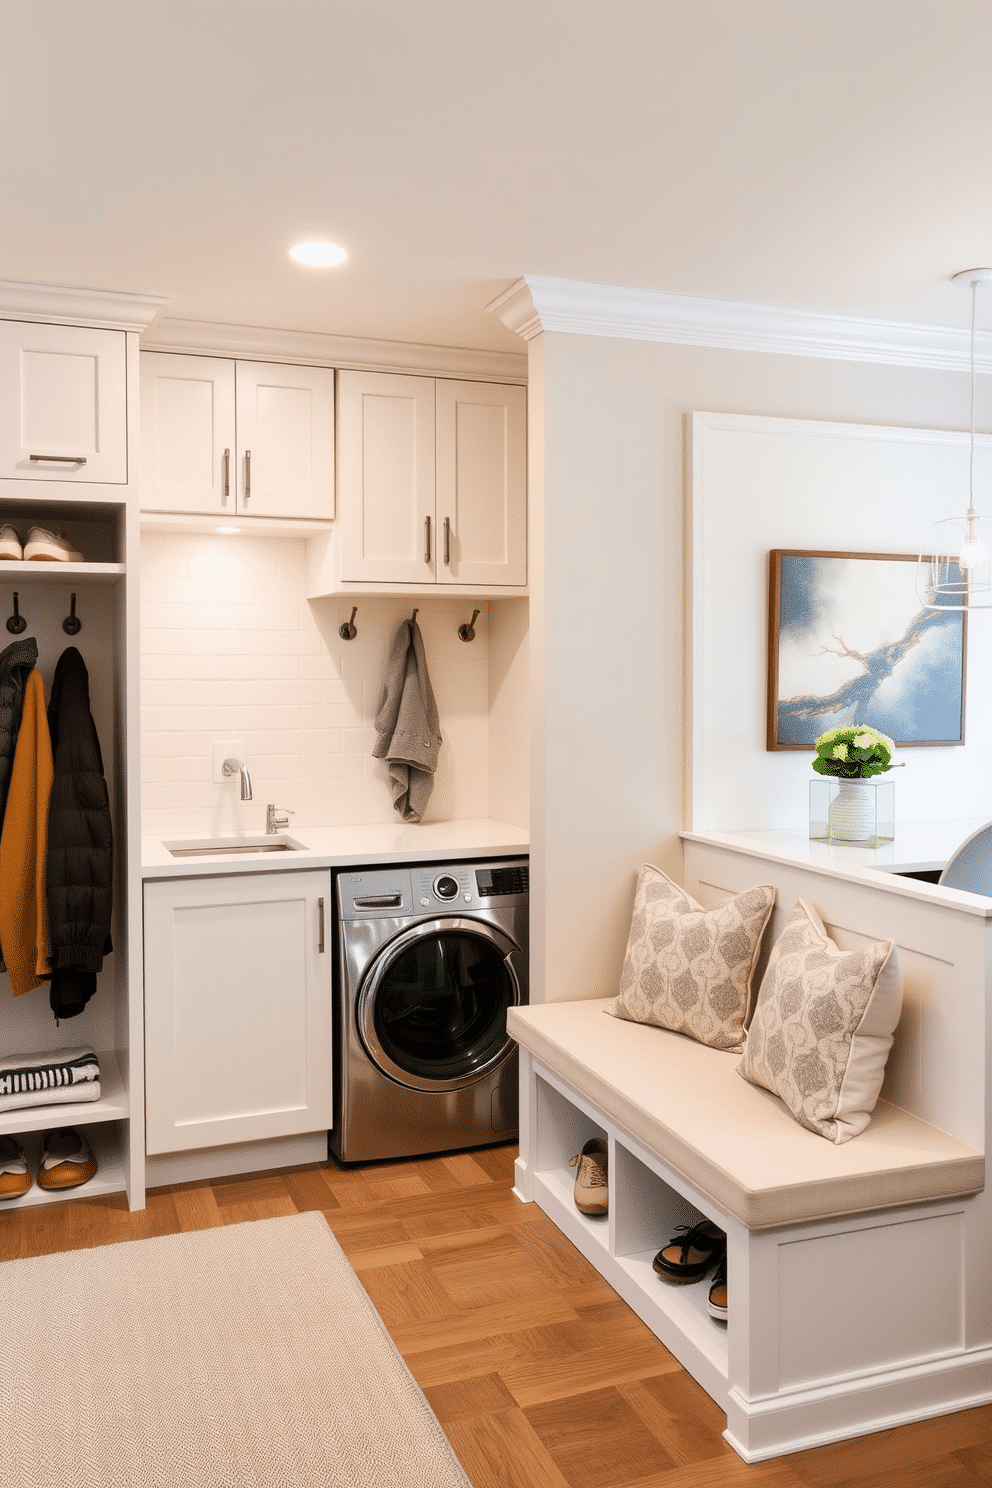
x,y
225,1358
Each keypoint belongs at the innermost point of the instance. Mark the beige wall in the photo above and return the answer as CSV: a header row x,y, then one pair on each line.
x,y
509,755
607,763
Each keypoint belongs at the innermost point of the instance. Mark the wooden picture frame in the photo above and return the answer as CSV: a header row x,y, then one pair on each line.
x,y
849,642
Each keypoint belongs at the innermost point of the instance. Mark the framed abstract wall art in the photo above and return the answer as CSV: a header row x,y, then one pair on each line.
x,y
850,642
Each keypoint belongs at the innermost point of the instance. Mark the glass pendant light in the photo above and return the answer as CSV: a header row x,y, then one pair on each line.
x,y
955,571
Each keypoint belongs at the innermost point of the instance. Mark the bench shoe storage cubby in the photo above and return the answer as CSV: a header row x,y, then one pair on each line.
x,y
825,1242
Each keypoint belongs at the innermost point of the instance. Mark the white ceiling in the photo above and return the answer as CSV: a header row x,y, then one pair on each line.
x,y
829,154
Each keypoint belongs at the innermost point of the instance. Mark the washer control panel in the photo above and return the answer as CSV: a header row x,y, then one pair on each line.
x,y
399,892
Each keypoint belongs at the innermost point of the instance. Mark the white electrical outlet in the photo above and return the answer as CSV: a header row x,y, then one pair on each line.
x,y
227,749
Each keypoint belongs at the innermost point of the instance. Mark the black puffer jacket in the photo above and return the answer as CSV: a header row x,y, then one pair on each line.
x,y
80,842
16,661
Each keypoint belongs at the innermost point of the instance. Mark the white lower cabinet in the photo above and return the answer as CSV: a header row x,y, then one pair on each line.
x,y
237,1008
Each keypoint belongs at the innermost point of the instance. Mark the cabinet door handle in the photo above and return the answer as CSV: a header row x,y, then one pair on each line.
x,y
227,473
247,475
320,924
427,539
59,459
447,541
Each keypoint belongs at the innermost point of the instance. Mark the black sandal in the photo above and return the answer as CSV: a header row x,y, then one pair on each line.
x,y
691,1252
716,1303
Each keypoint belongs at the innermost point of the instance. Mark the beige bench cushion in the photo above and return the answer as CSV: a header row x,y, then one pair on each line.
x,y
736,1143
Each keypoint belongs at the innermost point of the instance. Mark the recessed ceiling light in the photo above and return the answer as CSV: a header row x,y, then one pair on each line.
x,y
318,255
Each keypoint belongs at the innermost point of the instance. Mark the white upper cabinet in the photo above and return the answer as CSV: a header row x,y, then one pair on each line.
x,y
246,439
386,477
481,464
63,403
431,480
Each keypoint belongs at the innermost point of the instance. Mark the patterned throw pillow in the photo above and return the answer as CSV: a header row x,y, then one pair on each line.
x,y
823,1025
689,968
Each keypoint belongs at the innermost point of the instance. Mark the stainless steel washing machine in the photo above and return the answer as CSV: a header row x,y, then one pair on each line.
x,y
429,959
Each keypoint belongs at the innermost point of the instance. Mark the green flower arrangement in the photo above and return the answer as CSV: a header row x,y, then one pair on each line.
x,y
853,753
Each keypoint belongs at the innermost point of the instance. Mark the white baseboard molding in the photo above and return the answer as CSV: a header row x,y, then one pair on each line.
x,y
860,1406
240,1157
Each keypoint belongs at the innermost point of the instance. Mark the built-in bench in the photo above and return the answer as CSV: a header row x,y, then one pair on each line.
x,y
846,1263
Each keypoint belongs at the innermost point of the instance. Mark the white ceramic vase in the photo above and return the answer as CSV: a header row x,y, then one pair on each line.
x,y
853,811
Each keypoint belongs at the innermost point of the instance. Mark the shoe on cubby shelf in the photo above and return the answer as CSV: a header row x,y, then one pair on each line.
x,y
692,1251
716,1302
15,1176
592,1190
41,546
11,549
67,1159
49,547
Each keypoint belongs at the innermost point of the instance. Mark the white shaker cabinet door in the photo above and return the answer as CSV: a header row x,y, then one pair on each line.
x,y
386,477
237,1008
63,403
481,483
187,433
285,418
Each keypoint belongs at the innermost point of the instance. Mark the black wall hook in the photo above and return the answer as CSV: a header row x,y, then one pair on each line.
x,y
467,632
347,631
17,622
70,624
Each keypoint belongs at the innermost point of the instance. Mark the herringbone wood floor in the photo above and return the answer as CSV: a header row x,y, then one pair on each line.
x,y
540,1375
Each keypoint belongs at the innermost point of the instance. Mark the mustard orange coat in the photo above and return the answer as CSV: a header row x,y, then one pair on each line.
x,y
23,847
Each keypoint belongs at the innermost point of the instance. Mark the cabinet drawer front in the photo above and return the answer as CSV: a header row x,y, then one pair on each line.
x,y
63,404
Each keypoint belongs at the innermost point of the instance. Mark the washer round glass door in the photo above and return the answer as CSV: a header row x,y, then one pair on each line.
x,y
432,1008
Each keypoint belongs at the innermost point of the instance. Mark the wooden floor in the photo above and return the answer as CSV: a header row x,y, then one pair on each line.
x,y
540,1375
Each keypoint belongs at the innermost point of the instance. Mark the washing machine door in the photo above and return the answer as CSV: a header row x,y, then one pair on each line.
x,y
431,1008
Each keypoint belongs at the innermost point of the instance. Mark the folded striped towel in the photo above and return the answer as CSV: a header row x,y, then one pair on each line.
x,y
57,1077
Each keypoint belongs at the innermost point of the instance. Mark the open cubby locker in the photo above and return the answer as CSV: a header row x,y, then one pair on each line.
x,y
27,1024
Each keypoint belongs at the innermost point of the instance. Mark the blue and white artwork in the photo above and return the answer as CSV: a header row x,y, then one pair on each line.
x,y
850,642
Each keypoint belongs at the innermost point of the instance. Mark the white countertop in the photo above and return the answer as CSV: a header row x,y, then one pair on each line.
x,y
917,847
339,847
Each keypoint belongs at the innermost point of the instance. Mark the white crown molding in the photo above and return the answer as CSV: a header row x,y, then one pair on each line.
x,y
535,304
69,305
319,349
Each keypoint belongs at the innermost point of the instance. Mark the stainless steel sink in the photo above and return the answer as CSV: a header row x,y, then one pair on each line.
x,y
228,847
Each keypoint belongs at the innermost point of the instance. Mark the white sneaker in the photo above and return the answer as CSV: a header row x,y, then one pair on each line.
x,y
49,547
10,544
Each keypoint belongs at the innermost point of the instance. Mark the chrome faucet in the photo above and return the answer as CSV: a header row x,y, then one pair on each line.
x,y
277,817
232,767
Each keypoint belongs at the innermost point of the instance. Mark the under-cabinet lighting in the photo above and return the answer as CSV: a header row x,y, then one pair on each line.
x,y
227,529
318,255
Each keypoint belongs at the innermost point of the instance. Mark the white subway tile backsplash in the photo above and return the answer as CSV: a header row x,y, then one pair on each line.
x,y
230,647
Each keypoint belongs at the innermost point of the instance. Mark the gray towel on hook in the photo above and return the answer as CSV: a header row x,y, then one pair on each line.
x,y
407,724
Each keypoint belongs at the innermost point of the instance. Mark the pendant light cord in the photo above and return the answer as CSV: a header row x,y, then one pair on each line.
x,y
971,461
